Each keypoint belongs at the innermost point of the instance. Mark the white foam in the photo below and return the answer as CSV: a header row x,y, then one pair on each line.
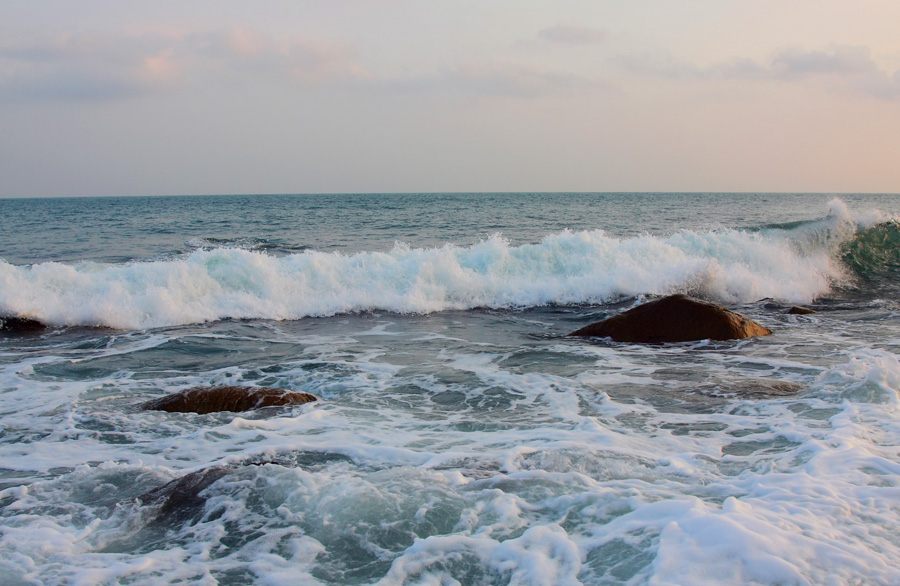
x,y
565,268
548,467
546,505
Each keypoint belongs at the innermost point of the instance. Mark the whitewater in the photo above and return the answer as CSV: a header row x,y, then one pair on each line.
x,y
732,266
460,437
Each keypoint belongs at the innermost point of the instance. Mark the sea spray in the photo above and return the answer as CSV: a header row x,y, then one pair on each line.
x,y
730,266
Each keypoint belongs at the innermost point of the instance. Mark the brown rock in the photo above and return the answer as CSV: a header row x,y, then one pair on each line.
x,y
676,318
800,311
213,399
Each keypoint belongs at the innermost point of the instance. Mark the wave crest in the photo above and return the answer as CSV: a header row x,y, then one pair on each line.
x,y
794,264
874,253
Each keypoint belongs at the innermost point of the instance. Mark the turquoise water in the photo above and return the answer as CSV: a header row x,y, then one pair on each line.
x,y
460,437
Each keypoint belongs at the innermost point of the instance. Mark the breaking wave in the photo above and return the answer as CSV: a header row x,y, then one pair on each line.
x,y
794,263
874,253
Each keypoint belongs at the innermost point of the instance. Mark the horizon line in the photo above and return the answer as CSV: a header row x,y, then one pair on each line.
x,y
357,193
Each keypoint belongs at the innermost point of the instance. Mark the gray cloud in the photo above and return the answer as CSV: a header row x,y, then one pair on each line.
x,y
106,67
516,79
82,86
301,59
95,68
498,78
839,60
73,67
572,34
839,68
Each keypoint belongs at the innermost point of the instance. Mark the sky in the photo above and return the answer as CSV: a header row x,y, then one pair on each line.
x,y
103,97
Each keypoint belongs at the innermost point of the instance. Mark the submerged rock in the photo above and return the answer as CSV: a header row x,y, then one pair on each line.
x,y
20,325
771,388
758,388
676,318
230,398
796,310
181,498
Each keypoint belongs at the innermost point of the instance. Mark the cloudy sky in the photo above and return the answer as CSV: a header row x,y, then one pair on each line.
x,y
103,97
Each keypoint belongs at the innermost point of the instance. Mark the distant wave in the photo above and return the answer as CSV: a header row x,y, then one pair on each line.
x,y
245,243
793,263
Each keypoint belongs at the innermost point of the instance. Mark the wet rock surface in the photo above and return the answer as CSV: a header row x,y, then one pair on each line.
x,y
181,498
755,388
676,318
21,325
227,398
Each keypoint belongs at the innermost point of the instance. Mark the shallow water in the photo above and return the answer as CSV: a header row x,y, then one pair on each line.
x,y
460,437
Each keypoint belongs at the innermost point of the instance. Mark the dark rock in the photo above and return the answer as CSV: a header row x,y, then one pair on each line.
x,y
800,311
180,498
676,318
21,325
213,399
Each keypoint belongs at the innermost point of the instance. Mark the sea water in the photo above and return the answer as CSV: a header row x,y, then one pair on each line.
x,y
459,437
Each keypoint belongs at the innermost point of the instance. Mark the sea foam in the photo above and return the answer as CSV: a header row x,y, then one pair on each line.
x,y
731,266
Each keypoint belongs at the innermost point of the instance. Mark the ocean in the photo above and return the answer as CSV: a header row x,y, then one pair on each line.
x,y
460,437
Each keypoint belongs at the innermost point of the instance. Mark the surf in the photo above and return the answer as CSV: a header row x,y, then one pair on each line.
x,y
794,264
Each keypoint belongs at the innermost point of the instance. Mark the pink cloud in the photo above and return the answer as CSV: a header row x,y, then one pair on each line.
x,y
101,67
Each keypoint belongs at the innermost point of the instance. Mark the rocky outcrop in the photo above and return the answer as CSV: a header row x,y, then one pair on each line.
x,y
796,310
21,325
677,318
230,398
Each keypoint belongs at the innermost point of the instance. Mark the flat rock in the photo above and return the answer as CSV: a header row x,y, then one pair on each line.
x,y
228,398
797,310
676,318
